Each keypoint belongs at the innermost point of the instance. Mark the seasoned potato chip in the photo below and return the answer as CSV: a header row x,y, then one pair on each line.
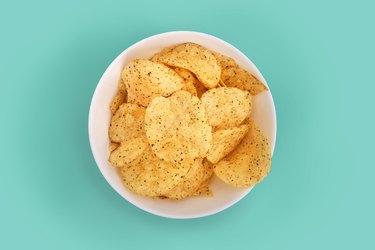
x,y
224,141
189,79
113,146
177,127
145,80
190,183
208,170
151,176
249,162
226,107
121,85
128,151
156,56
119,99
224,61
196,59
127,123
233,75
203,189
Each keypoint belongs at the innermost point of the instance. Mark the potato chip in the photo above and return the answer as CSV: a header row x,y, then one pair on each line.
x,y
119,99
145,80
203,190
128,151
151,176
249,162
224,141
226,107
177,127
113,146
127,123
156,56
189,79
121,85
224,61
233,75
196,59
190,183
208,170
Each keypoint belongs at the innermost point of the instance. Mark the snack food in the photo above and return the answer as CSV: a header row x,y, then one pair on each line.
x,y
226,107
182,117
177,127
249,162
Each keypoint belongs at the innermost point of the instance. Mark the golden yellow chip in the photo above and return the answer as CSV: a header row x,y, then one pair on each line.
x,y
128,151
121,85
196,59
224,141
233,75
226,107
155,57
127,123
203,190
189,79
113,146
145,80
249,162
177,127
224,61
190,183
151,176
119,99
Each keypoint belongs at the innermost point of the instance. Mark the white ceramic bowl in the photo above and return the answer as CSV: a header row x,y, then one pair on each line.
x,y
99,118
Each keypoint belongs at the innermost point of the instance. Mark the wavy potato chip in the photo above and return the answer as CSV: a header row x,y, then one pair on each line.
x,y
113,146
249,162
128,151
233,75
156,56
177,127
119,99
127,123
146,79
224,141
151,176
196,59
189,79
226,107
190,182
204,188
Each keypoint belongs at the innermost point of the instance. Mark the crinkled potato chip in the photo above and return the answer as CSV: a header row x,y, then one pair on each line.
x,y
128,151
189,79
151,176
177,127
224,141
156,56
190,183
226,107
113,146
145,80
233,75
127,123
204,189
249,162
196,59
119,99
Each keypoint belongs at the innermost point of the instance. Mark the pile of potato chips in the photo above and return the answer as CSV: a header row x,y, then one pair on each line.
x,y
182,116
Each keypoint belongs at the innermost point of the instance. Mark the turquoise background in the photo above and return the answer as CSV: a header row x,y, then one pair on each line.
x,y
318,58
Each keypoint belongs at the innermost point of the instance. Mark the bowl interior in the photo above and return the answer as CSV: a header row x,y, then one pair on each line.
x,y
99,118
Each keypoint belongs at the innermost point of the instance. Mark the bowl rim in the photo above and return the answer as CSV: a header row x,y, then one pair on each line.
x,y
90,114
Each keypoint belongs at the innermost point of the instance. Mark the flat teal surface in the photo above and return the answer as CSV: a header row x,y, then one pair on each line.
x,y
318,58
